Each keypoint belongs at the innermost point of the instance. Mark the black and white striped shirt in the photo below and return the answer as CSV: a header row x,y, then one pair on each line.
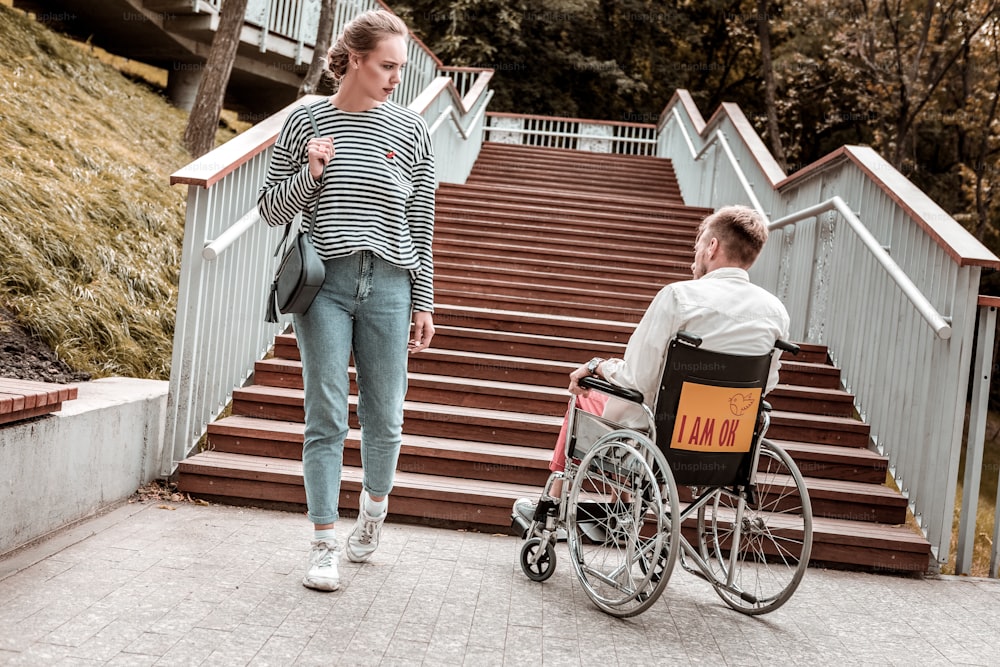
x,y
377,192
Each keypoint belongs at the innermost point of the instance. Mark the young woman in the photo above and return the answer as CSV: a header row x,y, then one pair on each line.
x,y
371,174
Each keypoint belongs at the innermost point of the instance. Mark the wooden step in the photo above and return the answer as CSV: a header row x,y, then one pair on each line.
x,y
834,462
457,422
280,372
815,400
666,207
535,288
546,220
881,547
488,393
809,353
823,429
573,170
516,464
485,366
440,456
464,255
568,280
809,374
429,499
554,348
534,304
25,399
472,317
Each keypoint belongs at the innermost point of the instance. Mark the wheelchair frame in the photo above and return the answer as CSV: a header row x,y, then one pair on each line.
x,y
621,508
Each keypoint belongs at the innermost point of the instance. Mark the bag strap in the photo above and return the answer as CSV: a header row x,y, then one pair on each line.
x,y
312,217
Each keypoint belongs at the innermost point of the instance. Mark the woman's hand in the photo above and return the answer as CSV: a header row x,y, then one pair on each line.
x,y
320,152
423,331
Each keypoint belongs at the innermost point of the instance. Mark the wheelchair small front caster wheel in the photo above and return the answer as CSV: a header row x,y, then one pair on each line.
x,y
538,566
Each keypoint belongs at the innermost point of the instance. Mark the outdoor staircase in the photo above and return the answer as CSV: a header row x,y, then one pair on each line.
x,y
545,258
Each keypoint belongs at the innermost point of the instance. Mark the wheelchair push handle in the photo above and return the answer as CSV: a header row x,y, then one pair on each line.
x,y
605,387
785,346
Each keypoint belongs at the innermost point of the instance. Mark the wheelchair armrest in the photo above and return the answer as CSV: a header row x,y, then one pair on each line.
x,y
606,387
785,346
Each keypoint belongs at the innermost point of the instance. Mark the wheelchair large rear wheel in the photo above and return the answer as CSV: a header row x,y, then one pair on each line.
x,y
622,521
775,536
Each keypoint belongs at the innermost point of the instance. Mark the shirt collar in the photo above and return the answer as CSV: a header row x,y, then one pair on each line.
x,y
728,272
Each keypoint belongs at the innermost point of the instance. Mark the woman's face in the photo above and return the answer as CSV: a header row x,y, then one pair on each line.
x,y
379,72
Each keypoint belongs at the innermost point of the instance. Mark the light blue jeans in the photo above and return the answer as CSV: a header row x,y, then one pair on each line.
x,y
364,308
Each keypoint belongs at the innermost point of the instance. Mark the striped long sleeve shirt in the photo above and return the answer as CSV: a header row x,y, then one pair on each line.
x,y
376,194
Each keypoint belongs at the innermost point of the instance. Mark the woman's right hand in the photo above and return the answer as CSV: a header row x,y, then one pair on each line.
x,y
320,152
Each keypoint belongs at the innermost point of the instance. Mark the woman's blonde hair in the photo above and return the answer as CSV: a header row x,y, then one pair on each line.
x,y
361,36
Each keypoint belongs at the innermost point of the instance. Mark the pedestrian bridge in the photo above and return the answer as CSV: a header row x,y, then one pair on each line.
x,y
276,43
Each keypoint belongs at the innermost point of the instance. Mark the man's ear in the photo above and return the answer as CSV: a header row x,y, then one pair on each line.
x,y
713,247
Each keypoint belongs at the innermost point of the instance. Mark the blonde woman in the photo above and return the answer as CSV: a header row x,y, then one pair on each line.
x,y
370,172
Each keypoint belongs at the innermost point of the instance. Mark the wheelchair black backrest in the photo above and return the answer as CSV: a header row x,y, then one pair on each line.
x,y
707,413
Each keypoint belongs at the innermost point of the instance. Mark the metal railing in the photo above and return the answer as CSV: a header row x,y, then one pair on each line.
x,y
573,133
227,261
870,267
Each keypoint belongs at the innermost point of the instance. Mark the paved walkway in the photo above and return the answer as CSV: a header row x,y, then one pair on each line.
x,y
183,584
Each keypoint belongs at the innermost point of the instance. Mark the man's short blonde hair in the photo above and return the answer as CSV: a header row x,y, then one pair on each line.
x,y
740,230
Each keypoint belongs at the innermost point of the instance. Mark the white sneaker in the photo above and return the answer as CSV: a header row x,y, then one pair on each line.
x,y
322,574
363,540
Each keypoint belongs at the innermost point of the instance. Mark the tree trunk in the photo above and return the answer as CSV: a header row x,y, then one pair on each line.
x,y
199,136
764,35
324,35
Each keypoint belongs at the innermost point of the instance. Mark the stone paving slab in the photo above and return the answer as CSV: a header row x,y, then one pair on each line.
x,y
183,584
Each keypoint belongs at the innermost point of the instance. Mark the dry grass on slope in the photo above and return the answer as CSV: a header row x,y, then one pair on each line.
x,y
90,229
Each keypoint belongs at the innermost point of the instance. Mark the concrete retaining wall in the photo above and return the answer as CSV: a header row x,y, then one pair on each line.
x,y
93,454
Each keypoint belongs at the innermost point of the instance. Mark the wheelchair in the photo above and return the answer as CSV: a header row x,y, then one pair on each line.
x,y
702,485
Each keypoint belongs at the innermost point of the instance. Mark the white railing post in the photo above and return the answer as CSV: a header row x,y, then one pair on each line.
x,y
975,443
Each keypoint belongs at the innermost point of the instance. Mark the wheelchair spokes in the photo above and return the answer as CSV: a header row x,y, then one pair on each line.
x,y
756,553
621,531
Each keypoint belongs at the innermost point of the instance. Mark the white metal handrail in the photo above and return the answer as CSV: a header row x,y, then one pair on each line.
x,y
451,113
214,248
937,322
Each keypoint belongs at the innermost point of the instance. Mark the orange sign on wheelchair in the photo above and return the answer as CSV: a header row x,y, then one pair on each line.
x,y
715,419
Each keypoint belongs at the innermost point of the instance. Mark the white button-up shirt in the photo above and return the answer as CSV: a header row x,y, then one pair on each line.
x,y
728,312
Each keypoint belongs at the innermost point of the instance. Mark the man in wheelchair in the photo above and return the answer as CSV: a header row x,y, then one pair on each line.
x,y
720,306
